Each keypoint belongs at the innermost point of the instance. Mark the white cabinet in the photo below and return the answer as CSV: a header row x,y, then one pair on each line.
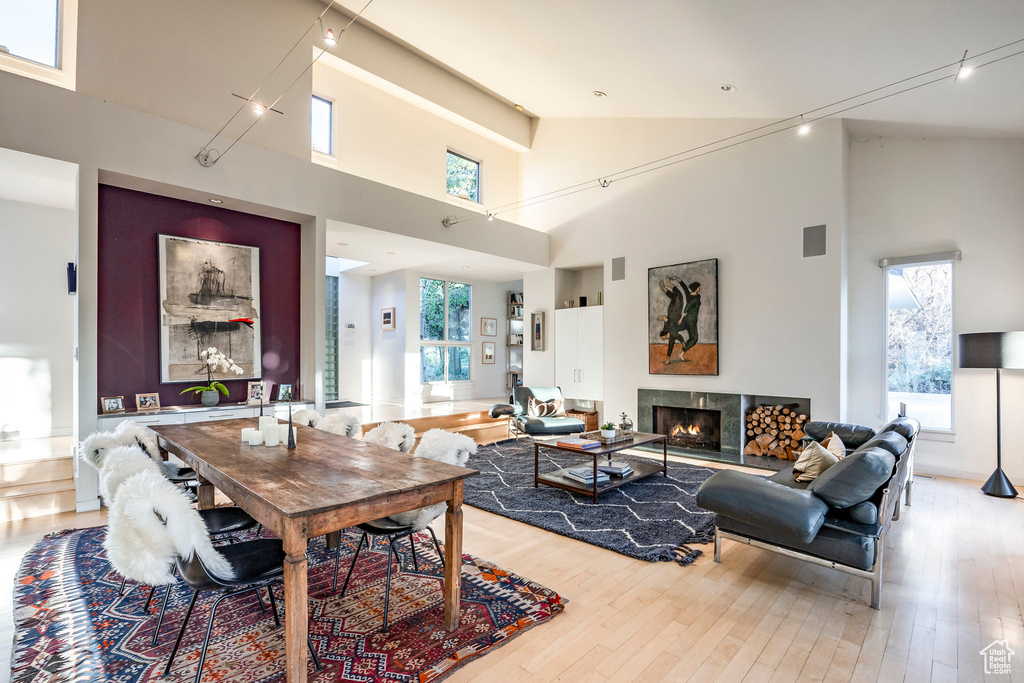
x,y
108,423
579,352
220,414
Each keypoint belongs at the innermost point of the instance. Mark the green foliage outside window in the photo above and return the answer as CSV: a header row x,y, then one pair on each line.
x,y
445,362
463,177
431,309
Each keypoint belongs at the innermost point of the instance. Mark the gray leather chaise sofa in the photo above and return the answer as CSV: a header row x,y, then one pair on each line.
x,y
838,520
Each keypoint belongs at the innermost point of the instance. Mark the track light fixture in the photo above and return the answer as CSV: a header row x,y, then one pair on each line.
x,y
328,35
805,127
490,216
604,182
962,71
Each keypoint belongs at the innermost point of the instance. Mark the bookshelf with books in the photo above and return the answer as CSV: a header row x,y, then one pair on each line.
x,y
514,340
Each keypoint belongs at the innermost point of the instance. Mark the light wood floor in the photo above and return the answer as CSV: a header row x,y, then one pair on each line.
x,y
954,583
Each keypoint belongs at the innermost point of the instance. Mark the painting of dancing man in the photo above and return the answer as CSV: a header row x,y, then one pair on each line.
x,y
682,314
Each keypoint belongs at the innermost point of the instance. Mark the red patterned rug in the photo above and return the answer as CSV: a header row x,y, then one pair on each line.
x,y
70,624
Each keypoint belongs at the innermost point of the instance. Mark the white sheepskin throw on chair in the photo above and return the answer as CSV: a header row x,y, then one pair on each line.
x,y
341,423
131,433
397,436
447,447
120,464
94,448
308,418
152,523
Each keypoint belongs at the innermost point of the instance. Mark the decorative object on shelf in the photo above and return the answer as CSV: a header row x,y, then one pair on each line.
x,y
284,393
488,353
682,314
583,301
488,327
537,331
214,362
568,303
387,318
1001,351
255,393
112,404
608,430
626,425
147,402
209,296
600,298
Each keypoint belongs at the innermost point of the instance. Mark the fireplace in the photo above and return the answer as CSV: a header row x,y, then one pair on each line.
x,y
690,428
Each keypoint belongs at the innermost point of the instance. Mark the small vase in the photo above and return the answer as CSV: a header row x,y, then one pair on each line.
x,y
209,398
607,433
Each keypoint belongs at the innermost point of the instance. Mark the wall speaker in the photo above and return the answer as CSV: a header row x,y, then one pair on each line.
x,y
72,279
814,241
619,268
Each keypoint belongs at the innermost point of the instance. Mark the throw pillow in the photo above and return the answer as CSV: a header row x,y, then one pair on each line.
x,y
834,445
552,408
855,478
814,460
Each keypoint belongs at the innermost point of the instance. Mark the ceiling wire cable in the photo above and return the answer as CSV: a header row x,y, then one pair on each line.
x,y
605,180
264,82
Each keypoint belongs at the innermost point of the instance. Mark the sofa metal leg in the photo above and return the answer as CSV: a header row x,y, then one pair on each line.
x,y
876,575
718,545
910,484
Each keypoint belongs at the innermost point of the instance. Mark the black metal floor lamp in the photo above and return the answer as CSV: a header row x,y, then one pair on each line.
x,y
999,350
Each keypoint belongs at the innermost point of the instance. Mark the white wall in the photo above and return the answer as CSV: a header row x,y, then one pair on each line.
x,y
36,319
355,345
389,346
780,313
917,196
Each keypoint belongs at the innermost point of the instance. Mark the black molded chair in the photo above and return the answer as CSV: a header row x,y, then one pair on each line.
x,y
394,531
256,564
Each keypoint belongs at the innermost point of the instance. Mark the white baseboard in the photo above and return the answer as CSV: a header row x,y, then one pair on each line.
x,y
954,473
87,505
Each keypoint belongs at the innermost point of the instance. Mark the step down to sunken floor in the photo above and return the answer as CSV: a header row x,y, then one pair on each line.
x,y
36,499
477,425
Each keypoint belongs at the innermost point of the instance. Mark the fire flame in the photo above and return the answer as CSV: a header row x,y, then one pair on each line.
x,y
680,430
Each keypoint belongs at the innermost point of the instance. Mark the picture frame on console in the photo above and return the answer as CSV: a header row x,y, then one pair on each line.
x,y
682,318
112,404
145,402
256,392
285,392
209,297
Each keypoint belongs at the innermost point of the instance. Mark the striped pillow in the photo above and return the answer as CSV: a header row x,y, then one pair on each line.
x,y
552,408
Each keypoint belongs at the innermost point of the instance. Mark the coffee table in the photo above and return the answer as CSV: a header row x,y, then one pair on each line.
x,y
641,468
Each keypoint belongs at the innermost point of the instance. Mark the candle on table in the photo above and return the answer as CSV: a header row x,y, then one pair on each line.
x,y
255,437
271,435
246,432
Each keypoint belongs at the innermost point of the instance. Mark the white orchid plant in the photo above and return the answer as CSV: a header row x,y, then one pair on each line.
x,y
213,361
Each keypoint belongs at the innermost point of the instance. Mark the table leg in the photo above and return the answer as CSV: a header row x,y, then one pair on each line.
x,y
664,455
453,558
595,480
536,463
296,608
205,493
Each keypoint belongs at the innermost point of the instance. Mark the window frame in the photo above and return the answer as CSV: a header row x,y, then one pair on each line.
x,y
318,157
472,203
915,262
64,74
444,342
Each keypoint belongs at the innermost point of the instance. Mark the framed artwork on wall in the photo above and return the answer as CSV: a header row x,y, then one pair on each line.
x,y
488,327
147,401
209,296
488,353
537,331
682,318
387,318
256,393
112,404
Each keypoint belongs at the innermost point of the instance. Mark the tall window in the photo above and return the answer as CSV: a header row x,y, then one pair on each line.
x,y
30,29
463,177
919,341
445,330
331,352
320,127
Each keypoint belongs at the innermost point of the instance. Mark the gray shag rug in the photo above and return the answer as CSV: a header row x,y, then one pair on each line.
x,y
654,519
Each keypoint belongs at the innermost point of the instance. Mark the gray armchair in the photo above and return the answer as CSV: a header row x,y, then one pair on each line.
x,y
520,421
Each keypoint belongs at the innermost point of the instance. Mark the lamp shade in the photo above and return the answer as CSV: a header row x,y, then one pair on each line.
x,y
992,350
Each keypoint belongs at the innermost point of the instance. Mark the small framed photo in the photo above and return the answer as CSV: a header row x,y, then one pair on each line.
x,y
284,392
147,401
256,392
112,404
488,354
537,331
387,318
488,327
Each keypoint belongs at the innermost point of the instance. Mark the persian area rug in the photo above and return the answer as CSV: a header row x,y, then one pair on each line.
x,y
70,624
654,519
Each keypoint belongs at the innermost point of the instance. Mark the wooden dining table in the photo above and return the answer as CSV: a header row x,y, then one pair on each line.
x,y
325,484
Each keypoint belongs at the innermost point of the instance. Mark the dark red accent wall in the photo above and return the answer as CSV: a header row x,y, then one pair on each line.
x,y
129,297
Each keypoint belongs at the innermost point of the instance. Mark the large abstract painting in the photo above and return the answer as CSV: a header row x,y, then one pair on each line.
x,y
209,296
682,318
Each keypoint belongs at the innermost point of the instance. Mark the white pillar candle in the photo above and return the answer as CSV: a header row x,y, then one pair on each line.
x,y
246,432
271,435
266,422
283,429
255,437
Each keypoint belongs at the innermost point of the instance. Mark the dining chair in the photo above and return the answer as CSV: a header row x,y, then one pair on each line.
x,y
343,424
131,432
397,436
309,418
153,528
438,445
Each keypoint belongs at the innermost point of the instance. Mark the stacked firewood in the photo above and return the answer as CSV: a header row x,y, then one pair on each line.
x,y
775,430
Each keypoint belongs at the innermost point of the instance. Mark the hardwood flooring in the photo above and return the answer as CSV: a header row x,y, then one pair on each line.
x,y
954,582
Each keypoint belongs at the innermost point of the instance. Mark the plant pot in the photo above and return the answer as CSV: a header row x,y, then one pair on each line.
x,y
607,433
209,398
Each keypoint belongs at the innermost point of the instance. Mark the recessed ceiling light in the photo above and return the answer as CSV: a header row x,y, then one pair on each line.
x,y
519,107
216,201
465,267
342,244
371,270
390,253
600,93
725,87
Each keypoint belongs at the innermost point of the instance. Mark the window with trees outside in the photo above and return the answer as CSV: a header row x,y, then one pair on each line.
x,y
919,342
445,330
463,177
